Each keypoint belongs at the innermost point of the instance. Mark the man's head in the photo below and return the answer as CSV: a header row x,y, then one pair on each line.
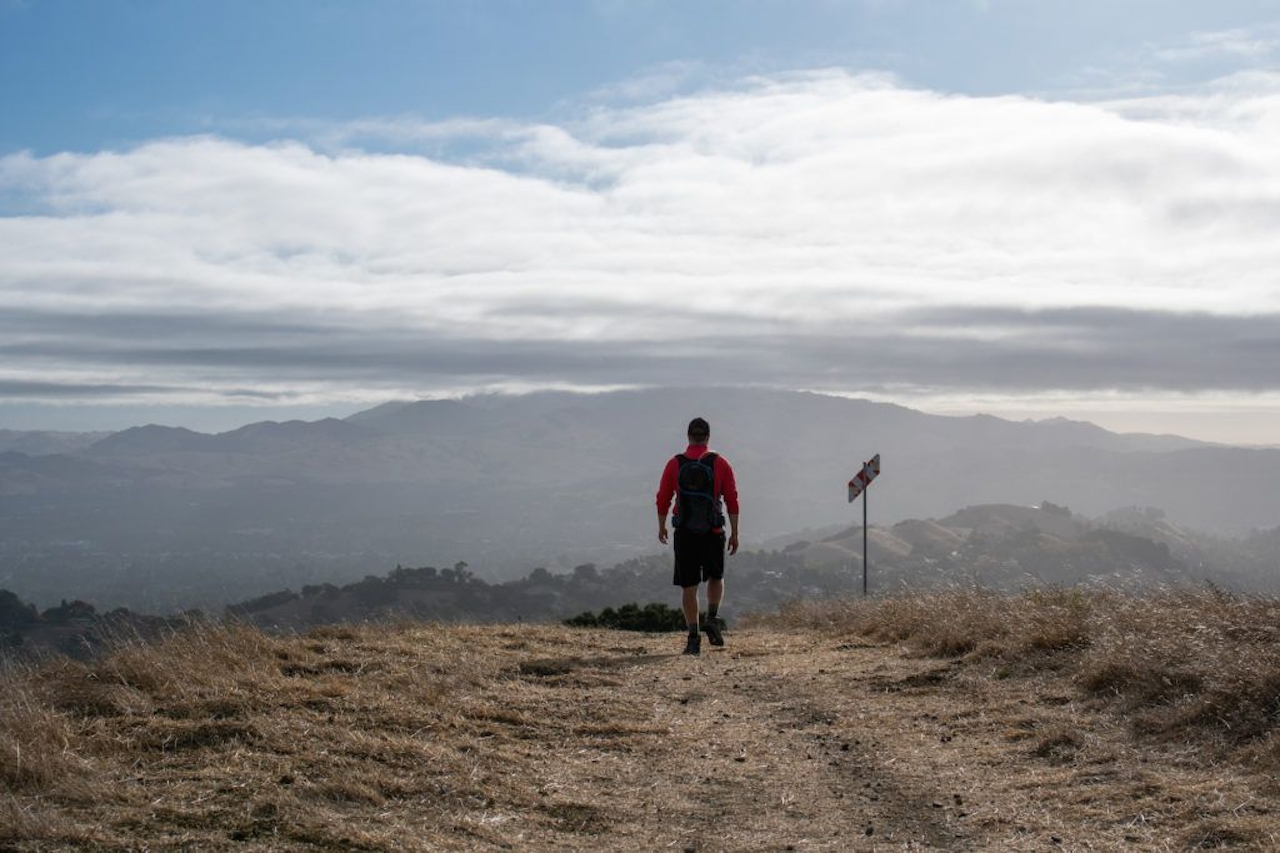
x,y
699,431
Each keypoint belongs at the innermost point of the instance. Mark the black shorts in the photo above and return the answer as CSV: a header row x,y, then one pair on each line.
x,y
699,557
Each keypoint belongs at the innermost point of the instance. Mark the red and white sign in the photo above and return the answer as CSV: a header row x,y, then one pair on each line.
x,y
870,470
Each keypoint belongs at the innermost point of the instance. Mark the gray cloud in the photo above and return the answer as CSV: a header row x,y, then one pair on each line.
x,y
72,391
819,230
927,349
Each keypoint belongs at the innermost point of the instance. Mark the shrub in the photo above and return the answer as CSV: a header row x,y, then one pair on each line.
x,y
652,617
14,612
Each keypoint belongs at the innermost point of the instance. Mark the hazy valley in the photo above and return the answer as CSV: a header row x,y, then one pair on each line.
x,y
164,519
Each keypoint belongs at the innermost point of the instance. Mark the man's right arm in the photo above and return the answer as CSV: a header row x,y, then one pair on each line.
x,y
666,491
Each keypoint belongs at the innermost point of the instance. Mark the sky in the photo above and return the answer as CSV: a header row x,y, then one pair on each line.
x,y
216,212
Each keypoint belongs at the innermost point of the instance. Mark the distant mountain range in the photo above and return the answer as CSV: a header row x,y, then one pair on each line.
x,y
46,442
162,518
994,546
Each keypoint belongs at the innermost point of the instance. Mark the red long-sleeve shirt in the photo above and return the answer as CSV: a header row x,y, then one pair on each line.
x,y
726,486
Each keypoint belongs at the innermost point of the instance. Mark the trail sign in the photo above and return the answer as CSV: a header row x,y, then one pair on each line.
x,y
870,470
858,486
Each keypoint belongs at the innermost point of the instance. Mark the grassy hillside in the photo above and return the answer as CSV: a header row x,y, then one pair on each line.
x,y
1059,720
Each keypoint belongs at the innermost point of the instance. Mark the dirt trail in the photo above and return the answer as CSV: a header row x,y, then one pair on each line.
x,y
791,741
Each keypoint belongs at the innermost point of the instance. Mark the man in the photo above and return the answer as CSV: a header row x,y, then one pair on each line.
x,y
699,479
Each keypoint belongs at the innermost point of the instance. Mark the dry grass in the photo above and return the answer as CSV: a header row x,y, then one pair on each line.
x,y
196,738
950,624
956,721
1184,663
35,741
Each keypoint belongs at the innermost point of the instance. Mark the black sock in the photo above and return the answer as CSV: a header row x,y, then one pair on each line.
x,y
711,611
693,630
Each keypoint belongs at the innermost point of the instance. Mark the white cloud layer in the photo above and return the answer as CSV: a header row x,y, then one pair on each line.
x,y
818,230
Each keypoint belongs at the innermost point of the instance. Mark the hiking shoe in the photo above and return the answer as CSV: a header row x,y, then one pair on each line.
x,y
713,632
694,646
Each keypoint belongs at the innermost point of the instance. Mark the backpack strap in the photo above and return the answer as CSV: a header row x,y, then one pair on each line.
x,y
708,458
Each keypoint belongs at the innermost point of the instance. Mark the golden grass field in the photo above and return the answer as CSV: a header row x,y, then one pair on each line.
x,y
1057,720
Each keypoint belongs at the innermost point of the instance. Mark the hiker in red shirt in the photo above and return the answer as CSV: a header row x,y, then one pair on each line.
x,y
699,479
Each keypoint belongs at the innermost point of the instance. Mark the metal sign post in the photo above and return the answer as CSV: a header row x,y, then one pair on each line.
x,y
858,486
864,544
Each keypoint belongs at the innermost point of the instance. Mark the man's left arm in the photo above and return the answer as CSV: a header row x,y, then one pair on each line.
x,y
730,493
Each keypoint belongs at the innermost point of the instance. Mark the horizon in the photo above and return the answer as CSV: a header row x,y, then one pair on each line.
x,y
221,212
223,419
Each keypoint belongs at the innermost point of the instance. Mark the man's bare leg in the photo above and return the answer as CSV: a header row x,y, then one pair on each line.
x,y
689,603
715,594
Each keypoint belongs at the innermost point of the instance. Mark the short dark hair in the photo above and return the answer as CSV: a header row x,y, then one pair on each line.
x,y
700,428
